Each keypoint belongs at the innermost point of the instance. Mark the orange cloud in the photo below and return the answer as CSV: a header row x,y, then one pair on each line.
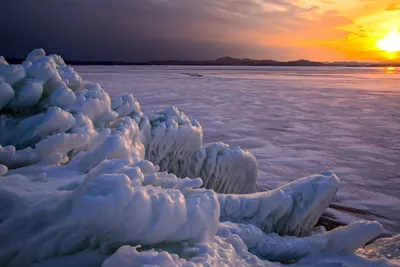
x,y
393,7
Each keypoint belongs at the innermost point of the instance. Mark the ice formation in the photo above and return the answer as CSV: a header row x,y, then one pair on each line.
x,y
292,209
86,180
175,143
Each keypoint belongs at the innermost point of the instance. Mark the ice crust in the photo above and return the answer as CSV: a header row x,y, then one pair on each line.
x,y
86,180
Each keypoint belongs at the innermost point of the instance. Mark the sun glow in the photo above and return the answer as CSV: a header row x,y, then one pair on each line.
x,y
390,70
390,43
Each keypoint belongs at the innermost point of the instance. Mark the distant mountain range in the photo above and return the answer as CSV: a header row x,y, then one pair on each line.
x,y
229,61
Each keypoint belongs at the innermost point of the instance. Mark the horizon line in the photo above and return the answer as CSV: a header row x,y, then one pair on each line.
x,y
218,62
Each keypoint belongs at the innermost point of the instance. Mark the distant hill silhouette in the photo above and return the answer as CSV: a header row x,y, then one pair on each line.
x,y
228,61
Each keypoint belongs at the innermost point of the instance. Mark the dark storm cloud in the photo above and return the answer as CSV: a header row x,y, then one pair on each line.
x,y
144,29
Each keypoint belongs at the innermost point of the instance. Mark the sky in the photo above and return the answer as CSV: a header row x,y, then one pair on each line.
x,y
142,30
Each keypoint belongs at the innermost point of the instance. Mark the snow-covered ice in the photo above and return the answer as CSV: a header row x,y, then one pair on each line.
x,y
295,121
91,180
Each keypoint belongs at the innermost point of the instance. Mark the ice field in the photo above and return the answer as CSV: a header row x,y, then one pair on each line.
x,y
92,177
295,121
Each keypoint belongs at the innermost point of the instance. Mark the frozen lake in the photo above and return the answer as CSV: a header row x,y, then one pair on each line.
x,y
296,121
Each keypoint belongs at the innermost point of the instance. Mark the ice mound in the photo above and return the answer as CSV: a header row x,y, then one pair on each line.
x,y
173,139
230,251
101,213
292,209
50,114
86,180
175,143
57,110
284,248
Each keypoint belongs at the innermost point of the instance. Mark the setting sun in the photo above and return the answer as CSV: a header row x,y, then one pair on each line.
x,y
390,43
